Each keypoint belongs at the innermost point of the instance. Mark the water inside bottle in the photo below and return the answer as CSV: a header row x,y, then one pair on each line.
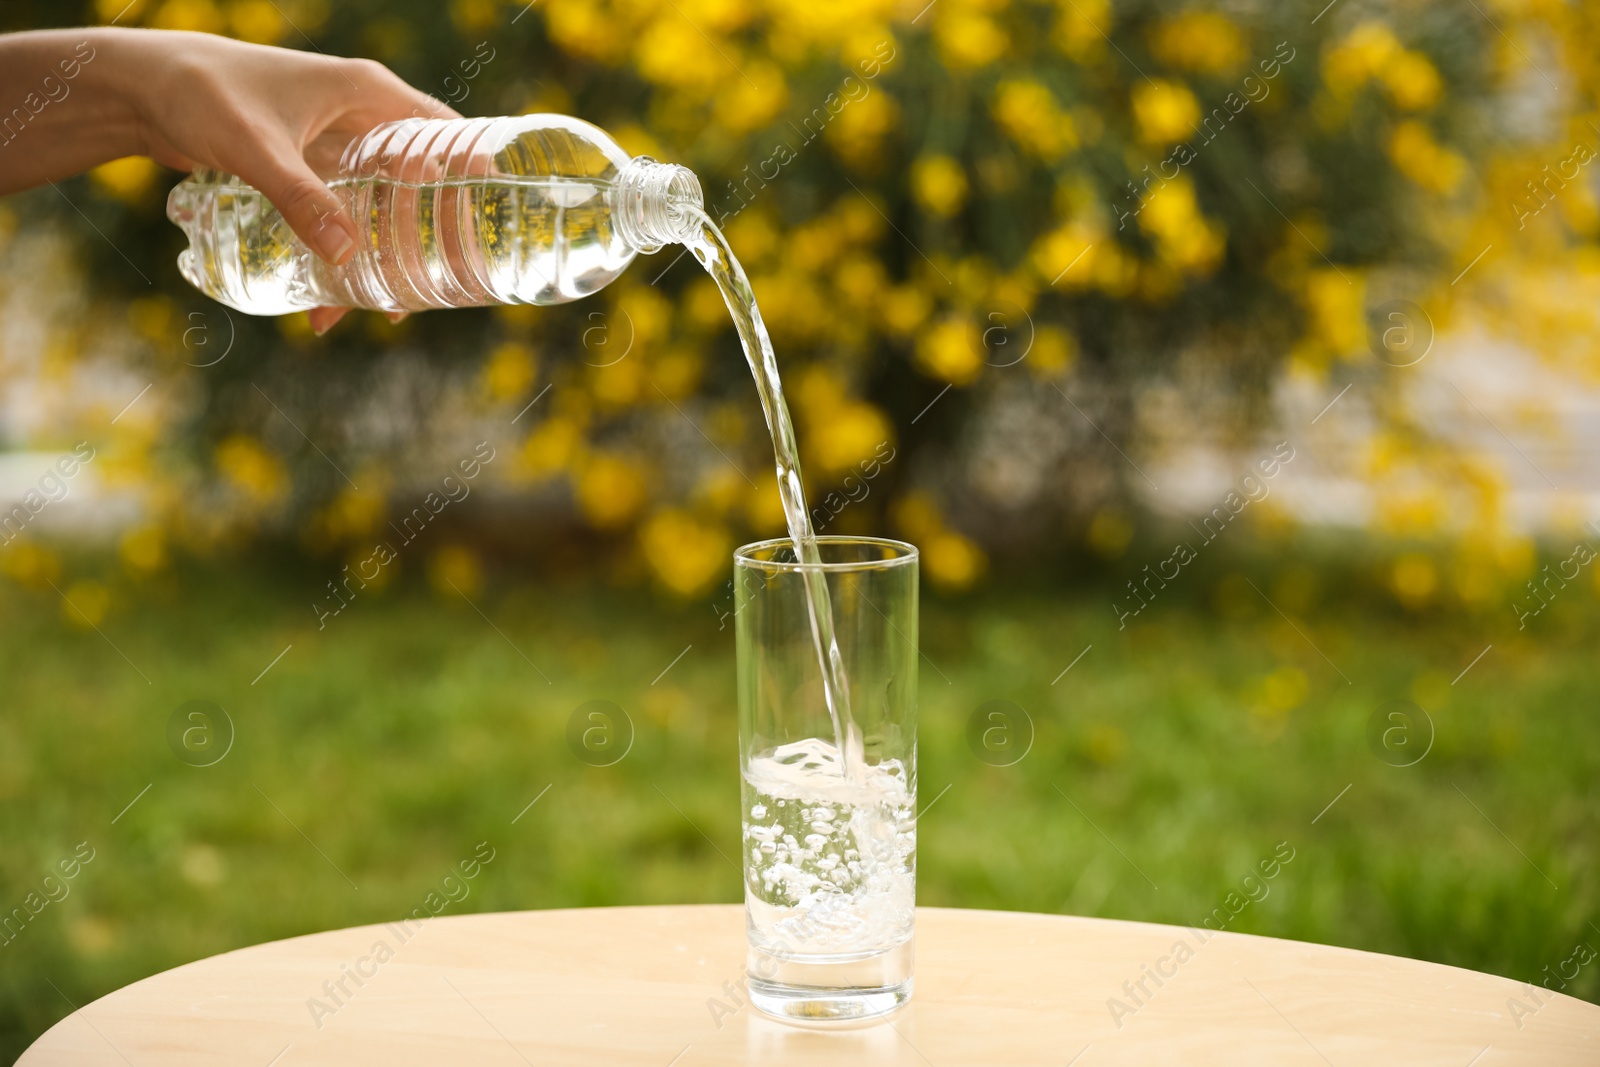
x,y
455,242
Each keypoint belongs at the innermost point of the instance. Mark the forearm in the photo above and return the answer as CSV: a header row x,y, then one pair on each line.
x,y
69,100
72,99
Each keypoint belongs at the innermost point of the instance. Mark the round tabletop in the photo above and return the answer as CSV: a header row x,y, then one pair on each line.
x,y
661,987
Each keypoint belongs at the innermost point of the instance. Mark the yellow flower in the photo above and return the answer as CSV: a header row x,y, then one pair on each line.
x,y
703,306
1054,351
846,435
250,467
863,42
856,134
198,15
1412,81
678,371
949,350
638,141
509,371
610,490
904,309
967,39
257,21
939,184
858,219
686,554
720,490
951,561
550,98
585,29
1029,114
1166,111
747,105
144,548
152,318
1422,159
1336,304
917,516
1109,532
815,245
817,390
86,603
1281,692
789,303
106,10
861,282
755,238
643,317
1184,238
30,565
551,447
1018,288
619,384
1511,557
1409,510
296,328
1115,271
1082,27
1414,579
474,16
670,51
1201,41
363,558
454,571
1066,257
1361,56
763,507
127,179
354,512
717,16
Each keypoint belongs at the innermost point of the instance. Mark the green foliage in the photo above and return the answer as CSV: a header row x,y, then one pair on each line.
x,y
999,146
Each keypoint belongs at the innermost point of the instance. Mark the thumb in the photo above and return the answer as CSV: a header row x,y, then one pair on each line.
x,y
312,210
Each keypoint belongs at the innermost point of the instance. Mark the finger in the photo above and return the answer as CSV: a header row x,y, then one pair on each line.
x,y
385,97
171,157
311,209
326,151
396,316
323,319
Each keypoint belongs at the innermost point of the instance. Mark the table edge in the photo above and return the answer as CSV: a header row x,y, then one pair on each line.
x,y
963,913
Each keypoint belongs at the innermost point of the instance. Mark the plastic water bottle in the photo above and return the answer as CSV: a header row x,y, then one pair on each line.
x,y
532,209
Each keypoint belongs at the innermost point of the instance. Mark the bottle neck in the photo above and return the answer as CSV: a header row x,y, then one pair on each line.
x,y
651,201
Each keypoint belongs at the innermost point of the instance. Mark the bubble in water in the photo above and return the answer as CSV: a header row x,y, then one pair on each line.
x,y
844,878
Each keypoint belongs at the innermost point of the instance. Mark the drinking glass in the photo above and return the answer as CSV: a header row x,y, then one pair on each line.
x,y
829,843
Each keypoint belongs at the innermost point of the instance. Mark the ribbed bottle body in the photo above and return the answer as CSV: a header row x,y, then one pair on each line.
x,y
450,213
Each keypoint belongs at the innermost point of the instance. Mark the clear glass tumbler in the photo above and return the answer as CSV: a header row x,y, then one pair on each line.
x,y
829,842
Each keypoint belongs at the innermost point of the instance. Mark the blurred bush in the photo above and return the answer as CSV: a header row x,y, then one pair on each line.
x,y
1166,207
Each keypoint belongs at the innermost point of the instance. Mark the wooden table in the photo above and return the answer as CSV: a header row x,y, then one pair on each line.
x,y
659,986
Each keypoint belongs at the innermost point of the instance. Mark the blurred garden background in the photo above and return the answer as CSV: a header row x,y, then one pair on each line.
x,y
1055,289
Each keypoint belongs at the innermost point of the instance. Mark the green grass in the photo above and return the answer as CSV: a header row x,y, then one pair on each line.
x,y
409,730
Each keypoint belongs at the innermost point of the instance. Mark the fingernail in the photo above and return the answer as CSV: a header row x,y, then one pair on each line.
x,y
334,243
320,330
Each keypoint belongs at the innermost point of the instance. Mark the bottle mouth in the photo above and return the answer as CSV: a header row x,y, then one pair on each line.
x,y
657,204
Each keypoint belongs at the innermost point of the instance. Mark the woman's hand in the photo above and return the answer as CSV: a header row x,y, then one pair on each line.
x,y
276,117
273,116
